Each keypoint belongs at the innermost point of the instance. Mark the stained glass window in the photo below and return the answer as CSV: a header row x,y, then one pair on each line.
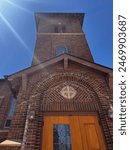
x,y
61,137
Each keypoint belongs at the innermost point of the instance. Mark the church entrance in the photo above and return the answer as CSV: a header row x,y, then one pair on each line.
x,y
72,133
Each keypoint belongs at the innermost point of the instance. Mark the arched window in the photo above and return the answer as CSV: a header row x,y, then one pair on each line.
x,y
60,28
10,112
61,50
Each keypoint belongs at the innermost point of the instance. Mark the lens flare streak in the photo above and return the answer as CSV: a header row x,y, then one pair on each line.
x,y
14,31
15,5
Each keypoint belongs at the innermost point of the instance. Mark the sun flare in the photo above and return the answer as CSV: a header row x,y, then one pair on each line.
x,y
4,5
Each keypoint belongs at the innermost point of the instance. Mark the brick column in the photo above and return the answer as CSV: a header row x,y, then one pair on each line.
x,y
31,125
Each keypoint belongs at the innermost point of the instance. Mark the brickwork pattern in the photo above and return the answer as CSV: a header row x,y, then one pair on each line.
x,y
3,136
10,148
47,23
51,83
42,95
47,40
46,47
18,122
5,96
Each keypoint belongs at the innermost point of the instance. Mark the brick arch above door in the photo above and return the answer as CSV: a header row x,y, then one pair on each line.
x,y
89,88
54,81
48,80
81,93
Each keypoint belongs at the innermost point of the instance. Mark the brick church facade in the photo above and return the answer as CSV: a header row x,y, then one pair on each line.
x,y
64,100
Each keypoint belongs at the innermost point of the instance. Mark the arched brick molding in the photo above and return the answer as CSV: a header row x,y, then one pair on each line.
x,y
52,84
98,85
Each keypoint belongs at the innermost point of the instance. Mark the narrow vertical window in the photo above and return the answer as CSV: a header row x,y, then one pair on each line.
x,y
10,112
61,137
12,107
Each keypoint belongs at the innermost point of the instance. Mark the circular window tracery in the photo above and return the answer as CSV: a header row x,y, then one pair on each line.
x,y
68,92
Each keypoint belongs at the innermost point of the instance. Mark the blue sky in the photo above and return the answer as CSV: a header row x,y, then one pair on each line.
x,y
18,32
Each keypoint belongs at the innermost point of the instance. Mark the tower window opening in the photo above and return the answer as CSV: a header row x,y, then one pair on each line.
x,y
61,50
60,29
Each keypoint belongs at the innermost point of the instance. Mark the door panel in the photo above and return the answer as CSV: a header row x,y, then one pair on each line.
x,y
47,134
85,133
75,133
91,133
92,137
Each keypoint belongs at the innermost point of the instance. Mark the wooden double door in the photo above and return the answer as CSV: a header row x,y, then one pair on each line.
x,y
72,133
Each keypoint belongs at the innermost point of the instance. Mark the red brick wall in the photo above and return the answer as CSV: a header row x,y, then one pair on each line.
x,y
46,47
93,95
10,148
46,22
41,95
5,98
73,38
3,136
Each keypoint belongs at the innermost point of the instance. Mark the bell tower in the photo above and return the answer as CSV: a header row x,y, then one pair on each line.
x,y
59,33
